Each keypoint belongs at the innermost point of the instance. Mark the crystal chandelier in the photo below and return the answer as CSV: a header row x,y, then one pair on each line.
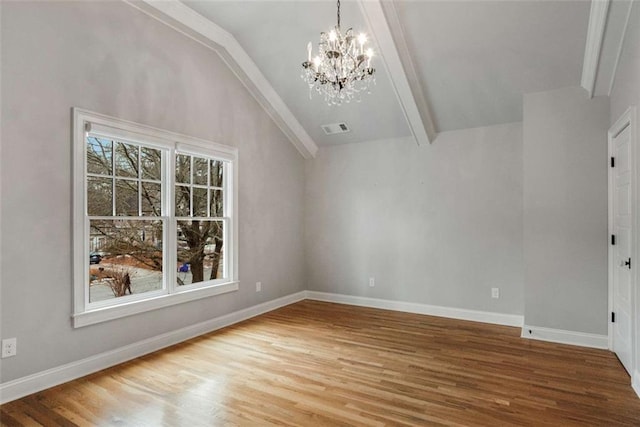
x,y
342,68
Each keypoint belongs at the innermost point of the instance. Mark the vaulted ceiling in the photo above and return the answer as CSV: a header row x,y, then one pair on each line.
x,y
440,65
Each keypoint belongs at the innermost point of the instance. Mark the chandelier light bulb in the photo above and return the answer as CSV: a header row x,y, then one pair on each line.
x,y
342,68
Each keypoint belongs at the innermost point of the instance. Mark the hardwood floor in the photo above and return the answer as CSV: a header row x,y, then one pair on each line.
x,y
313,363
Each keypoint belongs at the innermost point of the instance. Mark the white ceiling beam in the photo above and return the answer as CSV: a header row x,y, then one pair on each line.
x,y
187,21
388,35
612,43
595,35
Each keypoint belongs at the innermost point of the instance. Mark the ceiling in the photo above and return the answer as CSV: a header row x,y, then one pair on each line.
x,y
275,35
475,59
442,65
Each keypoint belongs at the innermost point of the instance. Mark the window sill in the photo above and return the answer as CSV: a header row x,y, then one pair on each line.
x,y
91,317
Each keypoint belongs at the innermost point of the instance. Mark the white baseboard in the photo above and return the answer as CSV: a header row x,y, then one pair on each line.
x,y
565,337
410,307
635,382
24,386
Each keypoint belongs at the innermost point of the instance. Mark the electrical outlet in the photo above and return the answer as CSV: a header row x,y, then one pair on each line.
x,y
258,286
372,282
9,347
495,292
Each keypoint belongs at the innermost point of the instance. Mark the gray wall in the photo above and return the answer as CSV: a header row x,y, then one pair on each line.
x,y
110,58
626,92
438,224
565,210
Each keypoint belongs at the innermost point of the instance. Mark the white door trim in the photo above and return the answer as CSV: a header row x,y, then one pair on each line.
x,y
628,119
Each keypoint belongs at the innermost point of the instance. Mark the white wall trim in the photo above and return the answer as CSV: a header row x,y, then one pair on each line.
x,y
560,336
409,96
595,35
410,307
188,22
635,382
21,387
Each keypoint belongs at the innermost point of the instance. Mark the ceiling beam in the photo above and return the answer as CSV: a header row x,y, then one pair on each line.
x,y
612,43
190,23
389,37
592,50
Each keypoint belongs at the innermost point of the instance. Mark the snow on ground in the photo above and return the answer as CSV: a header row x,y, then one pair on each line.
x,y
142,280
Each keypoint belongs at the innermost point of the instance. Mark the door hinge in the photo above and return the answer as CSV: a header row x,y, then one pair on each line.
x,y
628,263
613,162
613,317
613,239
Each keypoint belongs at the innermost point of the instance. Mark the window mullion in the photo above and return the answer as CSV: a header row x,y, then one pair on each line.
x,y
113,178
227,209
191,185
139,181
169,175
85,262
209,191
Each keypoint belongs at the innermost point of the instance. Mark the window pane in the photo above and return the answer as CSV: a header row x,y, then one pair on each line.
x,y
200,171
151,199
100,196
200,251
199,202
183,169
99,156
183,200
151,163
126,160
216,203
127,258
126,197
216,173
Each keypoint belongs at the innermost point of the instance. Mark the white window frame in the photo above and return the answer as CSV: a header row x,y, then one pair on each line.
x,y
86,313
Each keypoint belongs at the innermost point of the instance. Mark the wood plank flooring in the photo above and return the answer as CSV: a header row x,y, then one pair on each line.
x,y
316,364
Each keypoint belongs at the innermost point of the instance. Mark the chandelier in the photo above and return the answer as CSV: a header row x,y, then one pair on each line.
x,y
342,68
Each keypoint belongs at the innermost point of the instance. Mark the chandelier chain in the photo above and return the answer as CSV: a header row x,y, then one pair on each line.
x,y
338,14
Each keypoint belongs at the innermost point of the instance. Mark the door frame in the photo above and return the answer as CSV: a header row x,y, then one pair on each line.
x,y
627,119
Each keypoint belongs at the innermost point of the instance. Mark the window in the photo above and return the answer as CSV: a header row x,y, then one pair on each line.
x,y
154,218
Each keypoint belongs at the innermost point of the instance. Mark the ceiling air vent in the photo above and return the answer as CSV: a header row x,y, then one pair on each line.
x,y
335,128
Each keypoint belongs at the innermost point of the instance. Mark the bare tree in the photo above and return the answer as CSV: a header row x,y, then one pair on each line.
x,y
133,173
199,235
